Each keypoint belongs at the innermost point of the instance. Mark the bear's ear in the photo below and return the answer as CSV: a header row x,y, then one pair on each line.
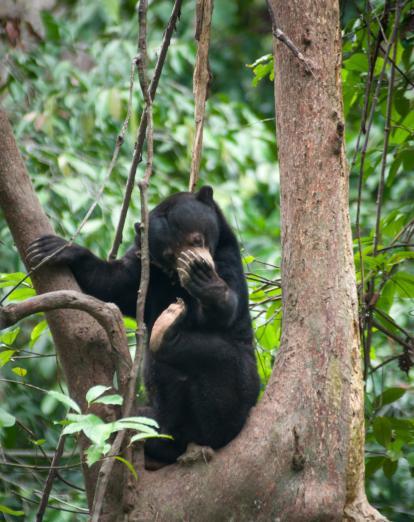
x,y
205,194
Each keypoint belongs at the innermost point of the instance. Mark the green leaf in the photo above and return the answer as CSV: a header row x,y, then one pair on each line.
x,y
111,9
382,430
37,331
6,356
64,399
267,336
6,420
95,392
390,467
51,27
82,423
130,324
110,399
388,396
100,433
248,259
84,417
399,257
20,294
10,336
372,464
21,372
261,68
394,450
404,284
410,459
119,426
93,454
13,279
263,59
143,436
129,466
385,300
357,62
9,511
140,420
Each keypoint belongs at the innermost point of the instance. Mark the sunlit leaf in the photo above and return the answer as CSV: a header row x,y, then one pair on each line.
x,y
5,356
95,392
114,399
64,399
9,511
129,466
10,336
6,420
21,372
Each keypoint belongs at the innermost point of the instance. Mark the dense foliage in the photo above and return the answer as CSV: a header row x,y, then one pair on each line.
x,y
67,95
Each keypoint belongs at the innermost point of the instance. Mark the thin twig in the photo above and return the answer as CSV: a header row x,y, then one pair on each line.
x,y
141,333
401,245
32,437
360,177
403,231
201,81
50,477
390,359
33,466
390,320
137,157
387,130
368,318
391,335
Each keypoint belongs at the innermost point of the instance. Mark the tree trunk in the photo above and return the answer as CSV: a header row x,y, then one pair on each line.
x,y
300,456
81,344
320,307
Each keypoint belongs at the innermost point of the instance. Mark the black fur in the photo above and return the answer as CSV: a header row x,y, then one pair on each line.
x,y
202,381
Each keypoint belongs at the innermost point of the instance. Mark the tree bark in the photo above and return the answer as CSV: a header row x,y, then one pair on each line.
x,y
300,456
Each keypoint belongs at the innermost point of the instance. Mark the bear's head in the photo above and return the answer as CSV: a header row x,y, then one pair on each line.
x,y
184,221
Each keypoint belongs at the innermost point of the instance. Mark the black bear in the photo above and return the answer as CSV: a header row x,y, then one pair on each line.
x,y
200,368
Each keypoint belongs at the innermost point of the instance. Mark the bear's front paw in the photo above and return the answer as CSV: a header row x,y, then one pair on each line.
x,y
46,246
196,271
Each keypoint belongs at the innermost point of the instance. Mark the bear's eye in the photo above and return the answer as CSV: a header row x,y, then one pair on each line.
x,y
196,240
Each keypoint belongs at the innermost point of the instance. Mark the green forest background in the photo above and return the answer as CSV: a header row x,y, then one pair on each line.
x,y
65,83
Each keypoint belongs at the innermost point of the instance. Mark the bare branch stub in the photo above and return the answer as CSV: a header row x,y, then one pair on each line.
x,y
201,81
281,36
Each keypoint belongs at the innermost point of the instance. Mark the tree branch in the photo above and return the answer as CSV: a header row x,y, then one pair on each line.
x,y
108,316
201,81
141,333
50,477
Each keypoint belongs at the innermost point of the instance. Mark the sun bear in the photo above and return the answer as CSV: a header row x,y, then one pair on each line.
x,y
199,368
